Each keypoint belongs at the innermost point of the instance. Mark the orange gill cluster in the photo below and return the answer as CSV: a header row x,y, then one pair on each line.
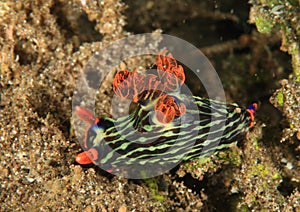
x,y
138,87
166,108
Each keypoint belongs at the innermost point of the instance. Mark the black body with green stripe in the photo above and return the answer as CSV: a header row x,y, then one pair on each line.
x,y
207,127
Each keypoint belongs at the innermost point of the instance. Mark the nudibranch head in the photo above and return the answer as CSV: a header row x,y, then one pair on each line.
x,y
93,134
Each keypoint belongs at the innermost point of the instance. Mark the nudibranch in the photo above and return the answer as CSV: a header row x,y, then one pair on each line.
x,y
166,116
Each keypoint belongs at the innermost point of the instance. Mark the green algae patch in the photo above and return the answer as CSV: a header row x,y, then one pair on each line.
x,y
280,98
269,16
259,170
263,25
295,52
232,156
152,183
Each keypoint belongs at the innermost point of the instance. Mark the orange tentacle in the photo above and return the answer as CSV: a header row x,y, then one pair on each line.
x,y
87,157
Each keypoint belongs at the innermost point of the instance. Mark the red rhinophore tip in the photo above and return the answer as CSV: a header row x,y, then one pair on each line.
x,y
251,110
109,170
255,106
87,157
85,115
